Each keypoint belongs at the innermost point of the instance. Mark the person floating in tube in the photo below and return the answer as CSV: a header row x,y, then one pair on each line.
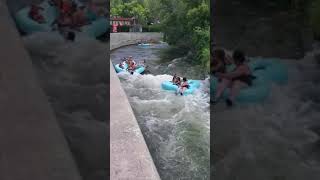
x,y
124,61
35,14
131,65
182,85
240,77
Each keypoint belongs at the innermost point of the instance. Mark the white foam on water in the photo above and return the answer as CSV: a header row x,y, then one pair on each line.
x,y
176,128
273,139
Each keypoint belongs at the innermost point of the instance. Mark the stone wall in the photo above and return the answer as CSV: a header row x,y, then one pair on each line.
x,y
130,157
122,39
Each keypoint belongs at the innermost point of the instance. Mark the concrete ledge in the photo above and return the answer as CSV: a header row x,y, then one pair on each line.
x,y
129,154
32,143
123,39
130,157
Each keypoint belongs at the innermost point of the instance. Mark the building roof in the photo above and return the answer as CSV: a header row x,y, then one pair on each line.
x,y
121,19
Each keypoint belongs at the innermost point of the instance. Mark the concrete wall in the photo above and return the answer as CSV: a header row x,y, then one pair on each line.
x,y
32,145
122,39
130,157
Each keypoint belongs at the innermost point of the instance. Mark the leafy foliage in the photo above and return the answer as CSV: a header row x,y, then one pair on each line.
x,y
315,17
185,23
131,9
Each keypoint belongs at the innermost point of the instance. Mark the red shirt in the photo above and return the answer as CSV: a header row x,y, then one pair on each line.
x,y
66,7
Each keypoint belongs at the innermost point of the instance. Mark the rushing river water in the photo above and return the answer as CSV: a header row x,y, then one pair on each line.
x,y
176,129
74,77
274,140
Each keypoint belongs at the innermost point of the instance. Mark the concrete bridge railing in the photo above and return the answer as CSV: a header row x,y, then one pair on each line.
x,y
130,157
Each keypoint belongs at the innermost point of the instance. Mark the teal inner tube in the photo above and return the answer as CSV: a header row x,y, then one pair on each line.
x,y
119,69
96,28
193,85
144,44
266,71
92,16
28,25
256,93
270,69
139,69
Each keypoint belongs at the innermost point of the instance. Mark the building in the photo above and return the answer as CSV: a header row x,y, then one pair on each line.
x,y
119,23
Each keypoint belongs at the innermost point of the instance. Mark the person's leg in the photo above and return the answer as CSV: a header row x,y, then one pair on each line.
x,y
235,89
42,19
182,90
225,83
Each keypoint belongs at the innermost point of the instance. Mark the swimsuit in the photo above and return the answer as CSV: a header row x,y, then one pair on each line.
x,y
247,79
222,69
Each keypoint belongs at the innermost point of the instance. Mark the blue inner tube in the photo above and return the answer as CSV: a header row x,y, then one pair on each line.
x,y
144,44
256,93
266,71
139,69
270,69
28,25
96,28
193,85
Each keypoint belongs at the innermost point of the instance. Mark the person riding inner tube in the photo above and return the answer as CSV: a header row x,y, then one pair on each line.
x,y
183,88
129,65
36,15
236,80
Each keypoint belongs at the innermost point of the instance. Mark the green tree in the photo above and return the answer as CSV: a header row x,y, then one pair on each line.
x,y
186,24
315,17
131,9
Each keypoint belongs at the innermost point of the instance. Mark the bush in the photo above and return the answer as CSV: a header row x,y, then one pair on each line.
x,y
315,17
152,28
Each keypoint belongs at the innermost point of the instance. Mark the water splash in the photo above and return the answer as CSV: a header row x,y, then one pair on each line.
x,y
176,128
272,140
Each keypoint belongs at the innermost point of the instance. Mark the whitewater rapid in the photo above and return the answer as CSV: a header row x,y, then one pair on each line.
x,y
275,139
176,128
74,76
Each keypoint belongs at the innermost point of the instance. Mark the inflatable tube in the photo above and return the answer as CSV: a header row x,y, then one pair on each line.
x,y
270,69
92,16
144,44
266,71
139,69
96,28
193,85
119,69
258,92
28,25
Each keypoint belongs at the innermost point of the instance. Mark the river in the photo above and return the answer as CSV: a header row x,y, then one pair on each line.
x,y
74,77
176,129
277,139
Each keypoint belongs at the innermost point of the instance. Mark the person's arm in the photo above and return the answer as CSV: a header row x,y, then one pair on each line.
x,y
217,66
228,60
231,75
